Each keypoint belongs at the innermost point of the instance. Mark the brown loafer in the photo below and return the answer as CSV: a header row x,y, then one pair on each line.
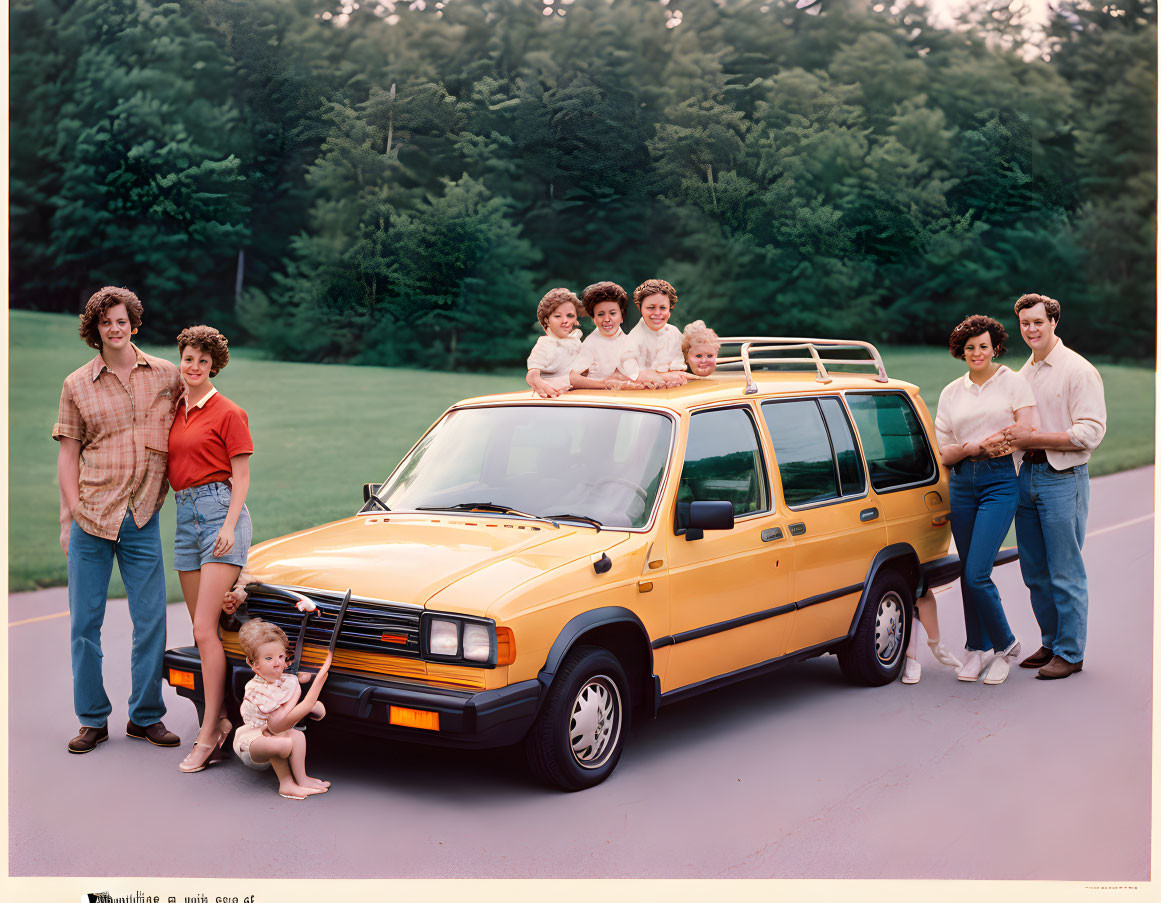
x,y
88,738
1058,668
1038,659
155,733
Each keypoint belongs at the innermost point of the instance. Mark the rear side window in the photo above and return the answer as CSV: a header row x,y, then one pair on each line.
x,y
815,448
894,443
723,463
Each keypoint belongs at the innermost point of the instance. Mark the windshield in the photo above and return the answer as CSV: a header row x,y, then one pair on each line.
x,y
603,464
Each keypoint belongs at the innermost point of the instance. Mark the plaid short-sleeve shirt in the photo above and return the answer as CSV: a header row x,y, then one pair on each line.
x,y
124,436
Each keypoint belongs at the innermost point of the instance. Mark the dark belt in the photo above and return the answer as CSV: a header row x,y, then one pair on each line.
x,y
1038,456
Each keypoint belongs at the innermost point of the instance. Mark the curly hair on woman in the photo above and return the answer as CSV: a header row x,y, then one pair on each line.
x,y
99,304
553,299
209,340
973,326
604,291
655,287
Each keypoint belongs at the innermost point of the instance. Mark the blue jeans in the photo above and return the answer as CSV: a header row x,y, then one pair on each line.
x,y
983,500
1050,524
138,554
201,512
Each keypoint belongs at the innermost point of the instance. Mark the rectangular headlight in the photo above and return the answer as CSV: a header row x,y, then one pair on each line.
x,y
444,638
477,643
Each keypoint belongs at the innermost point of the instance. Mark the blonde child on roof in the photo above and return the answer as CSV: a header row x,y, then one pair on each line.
x,y
552,356
608,357
658,342
271,708
700,346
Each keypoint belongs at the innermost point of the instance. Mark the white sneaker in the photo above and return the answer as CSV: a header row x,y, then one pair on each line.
x,y
997,670
970,670
942,655
1012,652
911,671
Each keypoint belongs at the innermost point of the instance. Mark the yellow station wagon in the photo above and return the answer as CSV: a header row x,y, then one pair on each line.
x,y
539,571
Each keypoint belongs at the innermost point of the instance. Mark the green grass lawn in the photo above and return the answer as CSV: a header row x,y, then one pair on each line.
x,y
321,431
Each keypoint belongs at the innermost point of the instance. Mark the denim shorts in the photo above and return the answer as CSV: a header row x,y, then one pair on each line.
x,y
201,511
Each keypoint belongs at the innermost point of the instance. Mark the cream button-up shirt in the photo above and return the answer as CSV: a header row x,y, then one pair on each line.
x,y
602,356
1070,398
659,349
969,413
553,357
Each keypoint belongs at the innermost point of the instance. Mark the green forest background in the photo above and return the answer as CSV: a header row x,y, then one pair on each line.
x,y
396,183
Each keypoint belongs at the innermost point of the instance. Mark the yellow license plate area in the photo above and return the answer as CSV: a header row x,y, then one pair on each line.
x,y
428,721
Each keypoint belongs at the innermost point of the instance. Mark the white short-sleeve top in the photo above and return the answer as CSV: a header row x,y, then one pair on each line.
x,y
658,349
264,698
601,356
554,357
969,413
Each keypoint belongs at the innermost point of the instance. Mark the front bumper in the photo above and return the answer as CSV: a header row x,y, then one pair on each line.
x,y
467,719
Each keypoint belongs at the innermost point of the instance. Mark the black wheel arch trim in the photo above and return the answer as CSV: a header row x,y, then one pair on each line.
x,y
896,552
590,620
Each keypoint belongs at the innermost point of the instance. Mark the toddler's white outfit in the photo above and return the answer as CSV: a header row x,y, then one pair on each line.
x,y
658,349
602,356
262,699
554,358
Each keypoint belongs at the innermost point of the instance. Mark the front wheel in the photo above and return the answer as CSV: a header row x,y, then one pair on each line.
x,y
874,655
578,736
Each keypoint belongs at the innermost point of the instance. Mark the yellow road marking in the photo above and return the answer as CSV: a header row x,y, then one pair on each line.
x,y
59,614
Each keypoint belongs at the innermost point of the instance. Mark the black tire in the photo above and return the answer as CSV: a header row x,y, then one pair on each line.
x,y
590,686
874,655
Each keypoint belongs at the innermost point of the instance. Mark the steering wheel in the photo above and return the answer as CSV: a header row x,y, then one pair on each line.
x,y
628,484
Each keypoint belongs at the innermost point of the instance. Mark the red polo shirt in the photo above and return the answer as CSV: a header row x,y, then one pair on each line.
x,y
204,438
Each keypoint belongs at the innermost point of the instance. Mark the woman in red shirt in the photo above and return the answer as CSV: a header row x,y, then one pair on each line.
x,y
209,470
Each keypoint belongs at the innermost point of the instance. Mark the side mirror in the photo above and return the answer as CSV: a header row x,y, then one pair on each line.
x,y
369,489
708,516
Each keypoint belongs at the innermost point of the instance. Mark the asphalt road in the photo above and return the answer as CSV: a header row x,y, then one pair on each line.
x,y
791,775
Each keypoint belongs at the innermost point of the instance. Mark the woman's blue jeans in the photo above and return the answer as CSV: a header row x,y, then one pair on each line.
x,y
984,495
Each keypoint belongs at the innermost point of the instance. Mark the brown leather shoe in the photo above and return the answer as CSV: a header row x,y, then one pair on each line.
x,y
88,738
1058,668
1038,659
154,733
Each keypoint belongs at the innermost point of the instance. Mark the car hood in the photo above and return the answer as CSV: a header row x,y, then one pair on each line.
x,y
412,558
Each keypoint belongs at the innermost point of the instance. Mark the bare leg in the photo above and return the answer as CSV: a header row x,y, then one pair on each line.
x,y
298,764
277,751
928,616
215,579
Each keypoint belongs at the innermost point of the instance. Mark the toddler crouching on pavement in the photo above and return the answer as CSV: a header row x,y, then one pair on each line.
x,y
271,708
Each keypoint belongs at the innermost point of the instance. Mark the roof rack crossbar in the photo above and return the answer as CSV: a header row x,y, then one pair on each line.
x,y
751,346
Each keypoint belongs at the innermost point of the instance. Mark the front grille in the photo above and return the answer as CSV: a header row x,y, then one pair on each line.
x,y
368,625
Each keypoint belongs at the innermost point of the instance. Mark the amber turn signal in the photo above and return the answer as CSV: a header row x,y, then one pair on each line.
x,y
428,721
505,646
940,521
181,679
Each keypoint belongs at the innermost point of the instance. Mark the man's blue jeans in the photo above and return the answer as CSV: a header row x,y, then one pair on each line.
x,y
1050,525
983,500
138,554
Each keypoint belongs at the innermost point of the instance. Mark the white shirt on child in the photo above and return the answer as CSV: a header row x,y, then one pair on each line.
x,y
602,356
658,349
553,357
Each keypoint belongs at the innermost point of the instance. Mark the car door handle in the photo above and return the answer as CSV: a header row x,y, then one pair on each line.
x,y
797,529
771,534
868,514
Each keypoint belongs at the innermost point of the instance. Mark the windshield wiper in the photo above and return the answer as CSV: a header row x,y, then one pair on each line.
x,y
581,517
484,506
373,500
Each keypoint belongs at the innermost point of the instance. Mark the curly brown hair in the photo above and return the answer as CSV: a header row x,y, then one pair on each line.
x,y
973,326
209,340
655,287
1051,306
553,299
599,292
98,305
256,633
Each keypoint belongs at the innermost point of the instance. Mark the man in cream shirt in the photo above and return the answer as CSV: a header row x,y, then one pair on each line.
x,y
1053,508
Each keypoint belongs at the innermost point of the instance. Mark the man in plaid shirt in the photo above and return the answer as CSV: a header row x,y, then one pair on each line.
x,y
113,430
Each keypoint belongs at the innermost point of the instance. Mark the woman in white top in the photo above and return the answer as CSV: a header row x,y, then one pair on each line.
x,y
552,356
973,411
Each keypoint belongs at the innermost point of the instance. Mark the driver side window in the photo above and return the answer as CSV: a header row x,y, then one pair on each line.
x,y
723,462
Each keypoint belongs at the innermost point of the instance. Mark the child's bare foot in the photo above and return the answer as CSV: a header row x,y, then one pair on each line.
x,y
315,782
292,791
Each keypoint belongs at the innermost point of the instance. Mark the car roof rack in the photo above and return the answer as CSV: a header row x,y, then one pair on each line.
x,y
753,346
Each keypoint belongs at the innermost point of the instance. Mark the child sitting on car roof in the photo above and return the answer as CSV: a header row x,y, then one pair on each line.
x,y
552,356
658,341
608,357
700,346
